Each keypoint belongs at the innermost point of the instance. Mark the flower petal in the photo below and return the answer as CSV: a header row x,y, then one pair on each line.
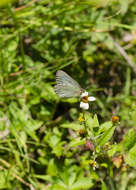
x,y
83,105
91,98
84,94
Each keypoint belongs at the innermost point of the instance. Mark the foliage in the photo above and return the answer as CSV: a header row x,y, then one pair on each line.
x,y
43,144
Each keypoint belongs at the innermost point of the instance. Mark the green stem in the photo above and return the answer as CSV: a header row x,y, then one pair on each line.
x,y
84,120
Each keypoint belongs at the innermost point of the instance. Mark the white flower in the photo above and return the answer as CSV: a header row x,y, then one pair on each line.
x,y
83,105
85,99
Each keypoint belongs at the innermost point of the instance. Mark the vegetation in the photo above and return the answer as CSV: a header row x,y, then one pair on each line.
x,y
47,142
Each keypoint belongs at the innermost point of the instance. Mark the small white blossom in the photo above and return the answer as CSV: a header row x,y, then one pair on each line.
x,y
85,99
83,105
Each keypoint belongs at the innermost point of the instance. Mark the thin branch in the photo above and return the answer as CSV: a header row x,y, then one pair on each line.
x,y
25,6
125,55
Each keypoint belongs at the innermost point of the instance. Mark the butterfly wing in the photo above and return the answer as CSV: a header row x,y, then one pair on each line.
x,y
66,86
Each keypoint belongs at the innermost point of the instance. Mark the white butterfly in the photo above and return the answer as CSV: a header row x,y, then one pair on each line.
x,y
67,88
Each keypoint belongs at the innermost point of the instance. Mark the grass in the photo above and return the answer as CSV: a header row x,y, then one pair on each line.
x,y
43,145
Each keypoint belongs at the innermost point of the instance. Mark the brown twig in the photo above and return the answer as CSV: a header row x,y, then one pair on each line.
x,y
125,55
25,6
16,73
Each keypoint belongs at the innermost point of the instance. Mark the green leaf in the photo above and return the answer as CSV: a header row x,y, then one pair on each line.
x,y
133,115
114,149
83,183
89,121
3,180
77,142
105,126
48,92
72,178
104,187
58,149
22,121
106,136
52,168
131,157
5,2
75,126
60,186
129,139
70,100
95,121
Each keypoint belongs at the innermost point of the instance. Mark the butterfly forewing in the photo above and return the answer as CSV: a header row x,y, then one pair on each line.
x,y
66,86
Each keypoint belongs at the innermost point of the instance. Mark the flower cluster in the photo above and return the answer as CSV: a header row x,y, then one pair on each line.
x,y
93,164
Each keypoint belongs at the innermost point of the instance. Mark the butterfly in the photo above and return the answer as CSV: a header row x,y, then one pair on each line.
x,y
66,86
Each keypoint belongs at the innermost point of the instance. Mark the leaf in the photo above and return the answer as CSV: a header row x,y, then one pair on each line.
x,y
129,139
52,168
58,149
72,178
48,92
105,126
5,2
131,157
104,187
89,121
22,121
77,142
95,121
75,126
114,149
3,180
83,183
60,186
106,136
133,115
124,5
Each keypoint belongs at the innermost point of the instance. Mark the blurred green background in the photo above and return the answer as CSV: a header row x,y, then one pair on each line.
x,y
41,147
